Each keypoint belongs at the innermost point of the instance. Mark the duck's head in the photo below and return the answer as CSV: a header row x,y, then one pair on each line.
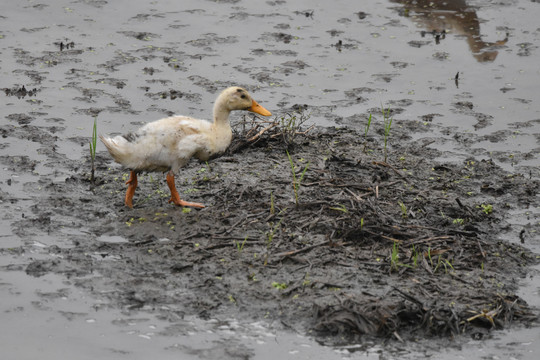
x,y
237,98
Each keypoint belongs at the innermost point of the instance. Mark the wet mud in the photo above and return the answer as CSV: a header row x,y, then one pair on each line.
x,y
359,247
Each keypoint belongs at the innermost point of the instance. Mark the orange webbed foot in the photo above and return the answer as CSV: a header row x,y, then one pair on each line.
x,y
175,197
180,202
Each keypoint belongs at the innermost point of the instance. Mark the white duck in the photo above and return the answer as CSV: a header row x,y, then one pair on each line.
x,y
168,144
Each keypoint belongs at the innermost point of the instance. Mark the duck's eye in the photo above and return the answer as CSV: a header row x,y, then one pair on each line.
x,y
243,96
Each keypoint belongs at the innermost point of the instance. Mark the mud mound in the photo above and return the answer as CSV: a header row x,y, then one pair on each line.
x,y
349,246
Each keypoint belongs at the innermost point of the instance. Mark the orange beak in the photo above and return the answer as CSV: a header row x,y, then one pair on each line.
x,y
256,108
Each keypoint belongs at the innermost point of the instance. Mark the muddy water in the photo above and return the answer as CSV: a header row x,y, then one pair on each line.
x,y
131,61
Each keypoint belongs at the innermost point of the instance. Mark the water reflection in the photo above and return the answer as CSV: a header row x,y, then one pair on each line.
x,y
439,17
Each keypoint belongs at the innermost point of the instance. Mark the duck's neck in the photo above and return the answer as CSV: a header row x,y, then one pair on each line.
x,y
221,113
221,118
221,128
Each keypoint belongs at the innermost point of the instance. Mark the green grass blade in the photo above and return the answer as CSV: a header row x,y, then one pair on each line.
x,y
93,145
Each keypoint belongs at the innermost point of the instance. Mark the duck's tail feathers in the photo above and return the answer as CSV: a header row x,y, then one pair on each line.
x,y
118,147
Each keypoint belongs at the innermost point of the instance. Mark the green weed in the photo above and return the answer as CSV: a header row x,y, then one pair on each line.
x,y
415,256
340,207
240,246
487,209
296,181
366,130
394,258
443,262
306,281
279,286
403,210
270,236
272,232
429,256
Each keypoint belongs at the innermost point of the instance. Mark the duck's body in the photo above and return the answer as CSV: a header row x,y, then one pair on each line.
x,y
168,144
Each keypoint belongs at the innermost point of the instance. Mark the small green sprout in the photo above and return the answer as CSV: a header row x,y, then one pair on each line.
x,y
279,286
487,209
415,256
366,130
296,182
403,210
240,246
340,207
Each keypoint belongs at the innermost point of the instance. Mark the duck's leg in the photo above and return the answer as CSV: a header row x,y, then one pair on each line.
x,y
175,197
132,185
